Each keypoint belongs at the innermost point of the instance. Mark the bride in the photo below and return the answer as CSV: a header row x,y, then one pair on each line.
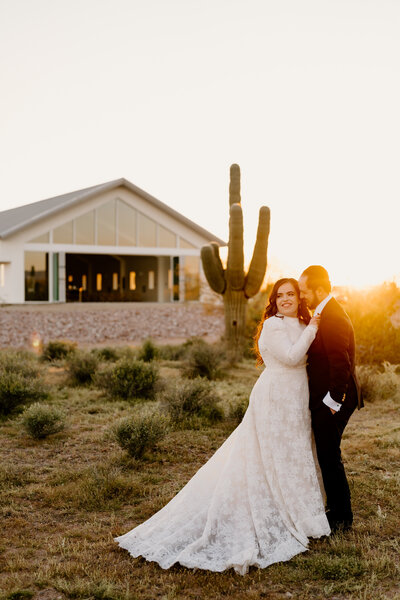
x,y
259,497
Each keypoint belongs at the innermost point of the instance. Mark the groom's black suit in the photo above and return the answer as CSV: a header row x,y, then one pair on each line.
x,y
331,369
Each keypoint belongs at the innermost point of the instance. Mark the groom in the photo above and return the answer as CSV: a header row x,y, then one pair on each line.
x,y
334,390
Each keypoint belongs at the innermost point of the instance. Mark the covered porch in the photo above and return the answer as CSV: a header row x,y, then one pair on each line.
x,y
92,277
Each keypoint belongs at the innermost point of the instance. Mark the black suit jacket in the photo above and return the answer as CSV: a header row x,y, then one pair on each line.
x,y
331,359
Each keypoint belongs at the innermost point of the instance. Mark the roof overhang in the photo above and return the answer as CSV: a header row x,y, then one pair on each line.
x,y
39,210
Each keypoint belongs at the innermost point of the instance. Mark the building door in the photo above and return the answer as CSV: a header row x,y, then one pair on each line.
x,y
56,288
175,272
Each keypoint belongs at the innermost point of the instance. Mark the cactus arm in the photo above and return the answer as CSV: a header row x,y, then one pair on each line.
x,y
235,266
215,247
213,269
234,185
258,263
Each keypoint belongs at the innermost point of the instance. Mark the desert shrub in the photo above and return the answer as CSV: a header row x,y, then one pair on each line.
x,y
129,380
375,315
81,368
238,408
179,351
20,361
172,351
189,403
57,350
41,420
140,433
127,353
20,382
148,351
203,361
107,353
379,383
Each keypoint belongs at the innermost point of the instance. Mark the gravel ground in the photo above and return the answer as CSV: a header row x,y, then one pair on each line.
x,y
118,323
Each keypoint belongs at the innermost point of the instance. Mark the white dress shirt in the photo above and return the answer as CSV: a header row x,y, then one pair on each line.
x,y
328,400
322,305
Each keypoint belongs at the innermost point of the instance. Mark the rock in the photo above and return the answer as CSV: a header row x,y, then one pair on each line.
x,y
89,324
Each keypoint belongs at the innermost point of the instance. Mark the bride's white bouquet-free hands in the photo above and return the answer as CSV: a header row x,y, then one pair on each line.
x,y
315,320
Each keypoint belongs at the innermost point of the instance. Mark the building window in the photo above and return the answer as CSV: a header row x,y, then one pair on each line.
x,y
147,232
170,279
63,234
41,239
166,239
115,281
99,282
175,278
84,229
36,276
126,225
132,280
2,274
151,280
84,283
106,224
185,244
56,272
192,277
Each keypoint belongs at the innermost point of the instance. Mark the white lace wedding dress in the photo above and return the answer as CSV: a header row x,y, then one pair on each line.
x,y
260,496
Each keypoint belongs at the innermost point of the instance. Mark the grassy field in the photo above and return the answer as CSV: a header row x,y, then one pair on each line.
x,y
64,498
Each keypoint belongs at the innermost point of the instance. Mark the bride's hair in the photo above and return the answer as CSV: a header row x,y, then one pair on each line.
x,y
271,309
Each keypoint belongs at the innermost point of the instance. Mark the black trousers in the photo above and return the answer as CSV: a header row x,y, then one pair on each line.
x,y
328,430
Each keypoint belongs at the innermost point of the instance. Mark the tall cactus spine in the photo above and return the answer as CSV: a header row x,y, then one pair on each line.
x,y
233,283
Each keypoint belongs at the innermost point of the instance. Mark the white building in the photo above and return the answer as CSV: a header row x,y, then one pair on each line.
x,y
110,242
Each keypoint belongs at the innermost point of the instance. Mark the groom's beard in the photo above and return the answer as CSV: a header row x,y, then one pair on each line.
x,y
314,302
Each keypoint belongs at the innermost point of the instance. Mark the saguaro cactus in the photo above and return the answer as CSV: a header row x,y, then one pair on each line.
x,y
235,286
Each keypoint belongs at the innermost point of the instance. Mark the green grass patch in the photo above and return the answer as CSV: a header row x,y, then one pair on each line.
x,y
63,500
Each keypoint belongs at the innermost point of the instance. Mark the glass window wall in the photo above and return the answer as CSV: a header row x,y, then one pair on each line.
x,y
106,234
56,287
41,239
185,244
147,232
166,239
84,229
175,278
126,225
36,276
63,234
192,277
151,280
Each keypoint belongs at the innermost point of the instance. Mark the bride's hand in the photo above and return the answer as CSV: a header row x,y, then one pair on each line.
x,y
315,320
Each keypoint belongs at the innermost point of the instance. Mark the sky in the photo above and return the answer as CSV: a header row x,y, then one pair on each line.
x,y
303,95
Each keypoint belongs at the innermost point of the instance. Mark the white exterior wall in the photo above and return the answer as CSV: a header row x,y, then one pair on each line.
x,y
12,248
12,254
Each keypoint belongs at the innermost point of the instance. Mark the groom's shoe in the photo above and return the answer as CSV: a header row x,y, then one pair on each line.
x,y
339,525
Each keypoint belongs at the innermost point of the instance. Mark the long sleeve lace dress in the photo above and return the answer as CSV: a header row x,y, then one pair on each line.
x,y
259,497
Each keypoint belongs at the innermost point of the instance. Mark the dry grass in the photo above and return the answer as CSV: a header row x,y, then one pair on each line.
x,y
63,499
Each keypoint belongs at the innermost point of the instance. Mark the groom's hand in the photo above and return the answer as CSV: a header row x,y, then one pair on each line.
x,y
333,411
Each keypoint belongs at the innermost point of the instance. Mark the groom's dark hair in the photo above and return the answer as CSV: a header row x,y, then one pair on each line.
x,y
317,276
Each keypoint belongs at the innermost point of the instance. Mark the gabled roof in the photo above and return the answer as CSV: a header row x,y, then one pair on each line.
x,y
16,219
